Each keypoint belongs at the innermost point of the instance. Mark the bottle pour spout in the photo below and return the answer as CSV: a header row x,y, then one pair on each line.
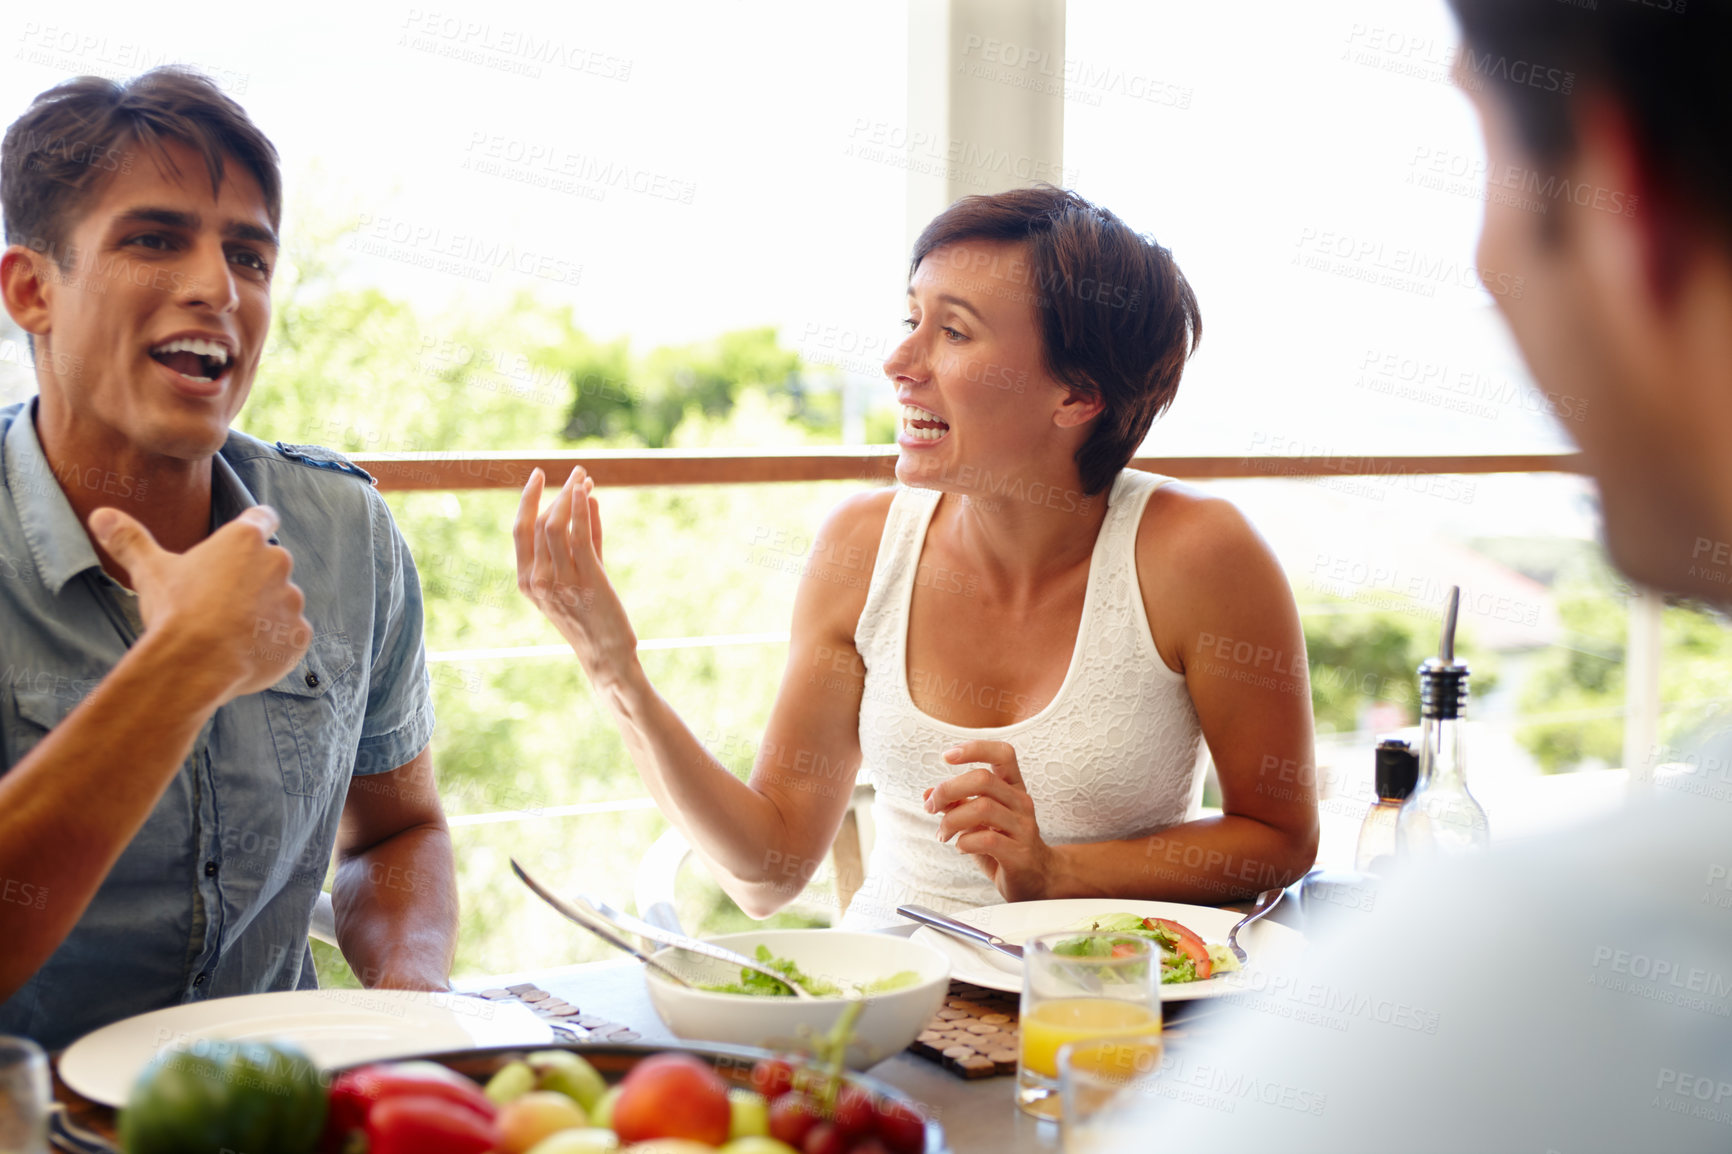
x,y
1446,643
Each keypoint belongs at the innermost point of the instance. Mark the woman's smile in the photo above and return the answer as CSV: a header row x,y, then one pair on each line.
x,y
922,425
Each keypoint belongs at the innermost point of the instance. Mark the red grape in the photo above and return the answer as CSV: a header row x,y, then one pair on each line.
x,y
853,1115
792,1118
772,1077
901,1129
825,1139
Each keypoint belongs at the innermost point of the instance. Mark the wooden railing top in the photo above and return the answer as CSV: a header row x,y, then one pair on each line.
x,y
622,468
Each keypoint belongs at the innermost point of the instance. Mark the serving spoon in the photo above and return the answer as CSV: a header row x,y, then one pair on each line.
x,y
612,930
595,925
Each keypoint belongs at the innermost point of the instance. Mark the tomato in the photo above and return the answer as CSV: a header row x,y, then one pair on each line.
x,y
1124,950
1188,944
672,1096
219,1095
424,1124
900,1128
773,1077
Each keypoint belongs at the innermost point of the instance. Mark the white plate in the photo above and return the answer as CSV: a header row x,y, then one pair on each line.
x,y
1271,947
335,1028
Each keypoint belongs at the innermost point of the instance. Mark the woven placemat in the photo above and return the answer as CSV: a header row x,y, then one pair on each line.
x,y
974,1035
568,1022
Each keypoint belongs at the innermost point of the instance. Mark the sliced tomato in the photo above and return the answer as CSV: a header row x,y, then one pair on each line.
x,y
1188,943
1124,950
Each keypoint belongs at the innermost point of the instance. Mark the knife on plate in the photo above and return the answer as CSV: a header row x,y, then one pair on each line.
x,y
958,929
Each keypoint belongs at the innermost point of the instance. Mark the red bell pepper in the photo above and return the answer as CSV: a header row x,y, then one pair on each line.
x,y
423,1124
356,1095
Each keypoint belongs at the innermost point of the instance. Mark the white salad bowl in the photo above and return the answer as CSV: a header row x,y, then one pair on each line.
x,y
888,1023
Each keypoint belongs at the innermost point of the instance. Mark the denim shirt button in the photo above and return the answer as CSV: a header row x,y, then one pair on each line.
x,y
210,869
312,680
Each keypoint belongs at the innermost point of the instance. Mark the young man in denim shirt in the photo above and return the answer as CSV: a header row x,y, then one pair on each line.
x,y
186,732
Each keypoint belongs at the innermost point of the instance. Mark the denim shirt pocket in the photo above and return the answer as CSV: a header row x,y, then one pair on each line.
x,y
315,716
41,708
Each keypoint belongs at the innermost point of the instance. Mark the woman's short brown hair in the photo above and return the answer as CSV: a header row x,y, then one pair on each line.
x,y
1117,318
76,134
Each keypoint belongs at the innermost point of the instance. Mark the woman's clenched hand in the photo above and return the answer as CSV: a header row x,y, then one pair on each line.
x,y
990,814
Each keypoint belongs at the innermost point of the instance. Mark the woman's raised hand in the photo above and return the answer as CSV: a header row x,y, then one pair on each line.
x,y
559,569
990,814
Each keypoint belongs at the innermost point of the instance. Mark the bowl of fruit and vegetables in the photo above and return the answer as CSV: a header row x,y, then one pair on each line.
x,y
577,1099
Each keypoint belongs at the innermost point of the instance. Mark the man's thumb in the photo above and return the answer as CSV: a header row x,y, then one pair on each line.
x,y
125,539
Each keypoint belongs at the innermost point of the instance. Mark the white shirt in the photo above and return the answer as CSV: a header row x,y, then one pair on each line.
x,y
1569,993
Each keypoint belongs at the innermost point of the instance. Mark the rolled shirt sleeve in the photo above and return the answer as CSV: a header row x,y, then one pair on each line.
x,y
398,722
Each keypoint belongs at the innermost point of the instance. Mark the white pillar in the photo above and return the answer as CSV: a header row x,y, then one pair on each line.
x,y
1642,688
985,100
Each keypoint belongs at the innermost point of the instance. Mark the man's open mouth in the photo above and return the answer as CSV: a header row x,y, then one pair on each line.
x,y
921,424
199,361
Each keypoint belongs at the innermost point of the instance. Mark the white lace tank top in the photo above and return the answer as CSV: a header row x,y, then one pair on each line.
x,y
1115,754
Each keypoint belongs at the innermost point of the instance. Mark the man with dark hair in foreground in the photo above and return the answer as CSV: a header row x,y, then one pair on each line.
x,y
179,722
1570,993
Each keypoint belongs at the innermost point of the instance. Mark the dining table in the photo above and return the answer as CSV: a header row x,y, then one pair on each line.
x,y
976,1114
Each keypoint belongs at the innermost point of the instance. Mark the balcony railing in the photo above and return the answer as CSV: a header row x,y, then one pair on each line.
x,y
654,467
627,468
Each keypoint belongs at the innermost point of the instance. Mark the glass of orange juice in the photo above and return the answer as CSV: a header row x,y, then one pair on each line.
x,y
1080,987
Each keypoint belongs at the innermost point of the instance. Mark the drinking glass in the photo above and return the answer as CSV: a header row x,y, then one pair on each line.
x,y
1100,1083
23,1097
1080,987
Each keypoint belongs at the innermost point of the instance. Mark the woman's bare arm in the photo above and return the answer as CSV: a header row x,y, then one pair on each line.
x,y
1223,615
763,838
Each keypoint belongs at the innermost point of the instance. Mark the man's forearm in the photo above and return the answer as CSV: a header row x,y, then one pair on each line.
x,y
396,906
72,804
1207,861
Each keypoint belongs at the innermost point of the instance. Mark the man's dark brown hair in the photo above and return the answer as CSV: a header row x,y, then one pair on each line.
x,y
76,134
1666,64
1117,318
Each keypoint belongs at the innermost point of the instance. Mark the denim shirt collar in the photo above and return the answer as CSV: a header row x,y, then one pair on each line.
x,y
59,544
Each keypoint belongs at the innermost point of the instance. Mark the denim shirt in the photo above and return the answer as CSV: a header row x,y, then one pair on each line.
x,y
214,895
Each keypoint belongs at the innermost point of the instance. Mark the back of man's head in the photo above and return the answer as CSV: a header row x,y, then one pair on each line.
x,y
58,154
1667,64
1617,114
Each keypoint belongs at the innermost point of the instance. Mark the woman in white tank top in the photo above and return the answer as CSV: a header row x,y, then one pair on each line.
x,y
1114,754
1048,640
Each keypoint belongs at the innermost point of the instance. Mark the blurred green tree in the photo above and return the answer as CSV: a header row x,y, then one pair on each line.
x,y
1582,684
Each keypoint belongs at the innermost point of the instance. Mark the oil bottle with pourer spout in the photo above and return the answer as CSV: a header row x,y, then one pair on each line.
x,y
1440,818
